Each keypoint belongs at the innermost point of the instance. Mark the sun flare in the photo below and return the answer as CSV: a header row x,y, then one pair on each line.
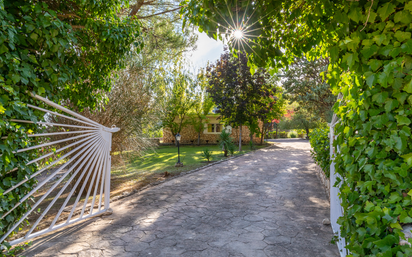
x,y
238,34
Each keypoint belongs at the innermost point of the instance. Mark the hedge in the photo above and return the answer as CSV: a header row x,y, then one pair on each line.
x,y
319,141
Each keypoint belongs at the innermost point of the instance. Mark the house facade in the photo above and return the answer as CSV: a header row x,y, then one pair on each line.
x,y
210,134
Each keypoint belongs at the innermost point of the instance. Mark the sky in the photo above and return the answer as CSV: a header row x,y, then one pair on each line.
x,y
207,49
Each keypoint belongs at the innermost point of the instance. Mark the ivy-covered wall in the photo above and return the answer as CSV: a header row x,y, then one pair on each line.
x,y
372,68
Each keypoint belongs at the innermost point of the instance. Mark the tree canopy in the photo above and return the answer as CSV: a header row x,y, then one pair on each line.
x,y
239,95
304,84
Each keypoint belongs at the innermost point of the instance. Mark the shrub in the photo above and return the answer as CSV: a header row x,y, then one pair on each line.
x,y
251,146
319,142
231,149
293,135
283,134
225,142
207,154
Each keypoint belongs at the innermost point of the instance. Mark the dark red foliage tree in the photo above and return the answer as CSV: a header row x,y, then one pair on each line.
x,y
240,96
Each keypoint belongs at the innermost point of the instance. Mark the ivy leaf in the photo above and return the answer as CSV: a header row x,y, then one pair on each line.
x,y
368,51
386,10
385,243
375,64
369,206
396,225
34,36
402,120
408,159
370,78
403,16
408,6
379,39
395,197
350,58
402,36
404,218
355,14
407,46
408,87
380,97
3,48
390,104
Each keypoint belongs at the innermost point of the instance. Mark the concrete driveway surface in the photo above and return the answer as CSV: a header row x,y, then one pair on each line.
x,y
266,203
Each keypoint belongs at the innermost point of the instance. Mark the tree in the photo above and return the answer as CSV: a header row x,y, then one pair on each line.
x,y
275,113
305,85
202,106
369,46
301,119
237,93
179,99
65,51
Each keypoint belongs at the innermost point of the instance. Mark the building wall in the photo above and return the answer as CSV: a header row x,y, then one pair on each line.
x,y
188,134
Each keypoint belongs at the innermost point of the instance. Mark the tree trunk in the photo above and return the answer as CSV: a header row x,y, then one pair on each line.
x,y
251,141
240,137
262,136
198,139
276,131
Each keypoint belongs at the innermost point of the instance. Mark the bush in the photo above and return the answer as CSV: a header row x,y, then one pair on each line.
x,y
207,154
283,134
319,141
293,135
225,142
231,149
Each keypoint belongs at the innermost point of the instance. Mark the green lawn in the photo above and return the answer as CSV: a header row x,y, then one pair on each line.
x,y
137,171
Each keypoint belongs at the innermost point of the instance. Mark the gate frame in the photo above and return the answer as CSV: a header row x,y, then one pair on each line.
x,y
99,140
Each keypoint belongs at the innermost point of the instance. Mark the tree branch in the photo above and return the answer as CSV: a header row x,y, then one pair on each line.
x,y
167,11
136,7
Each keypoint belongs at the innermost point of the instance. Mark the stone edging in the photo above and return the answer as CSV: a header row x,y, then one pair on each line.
x,y
324,180
126,194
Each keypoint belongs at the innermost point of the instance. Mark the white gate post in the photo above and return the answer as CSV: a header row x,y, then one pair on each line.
x,y
336,210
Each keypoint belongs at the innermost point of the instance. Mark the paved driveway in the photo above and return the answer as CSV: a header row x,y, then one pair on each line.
x,y
266,203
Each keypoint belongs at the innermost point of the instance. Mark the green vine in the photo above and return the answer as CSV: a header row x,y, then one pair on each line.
x,y
373,72
319,141
64,57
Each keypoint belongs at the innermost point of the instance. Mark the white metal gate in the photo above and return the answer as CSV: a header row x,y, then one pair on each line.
x,y
85,155
336,209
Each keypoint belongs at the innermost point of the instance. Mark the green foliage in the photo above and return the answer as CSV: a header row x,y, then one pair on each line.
x,y
231,148
251,145
62,57
283,134
202,106
179,98
293,135
301,119
206,154
225,142
240,96
304,84
319,141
